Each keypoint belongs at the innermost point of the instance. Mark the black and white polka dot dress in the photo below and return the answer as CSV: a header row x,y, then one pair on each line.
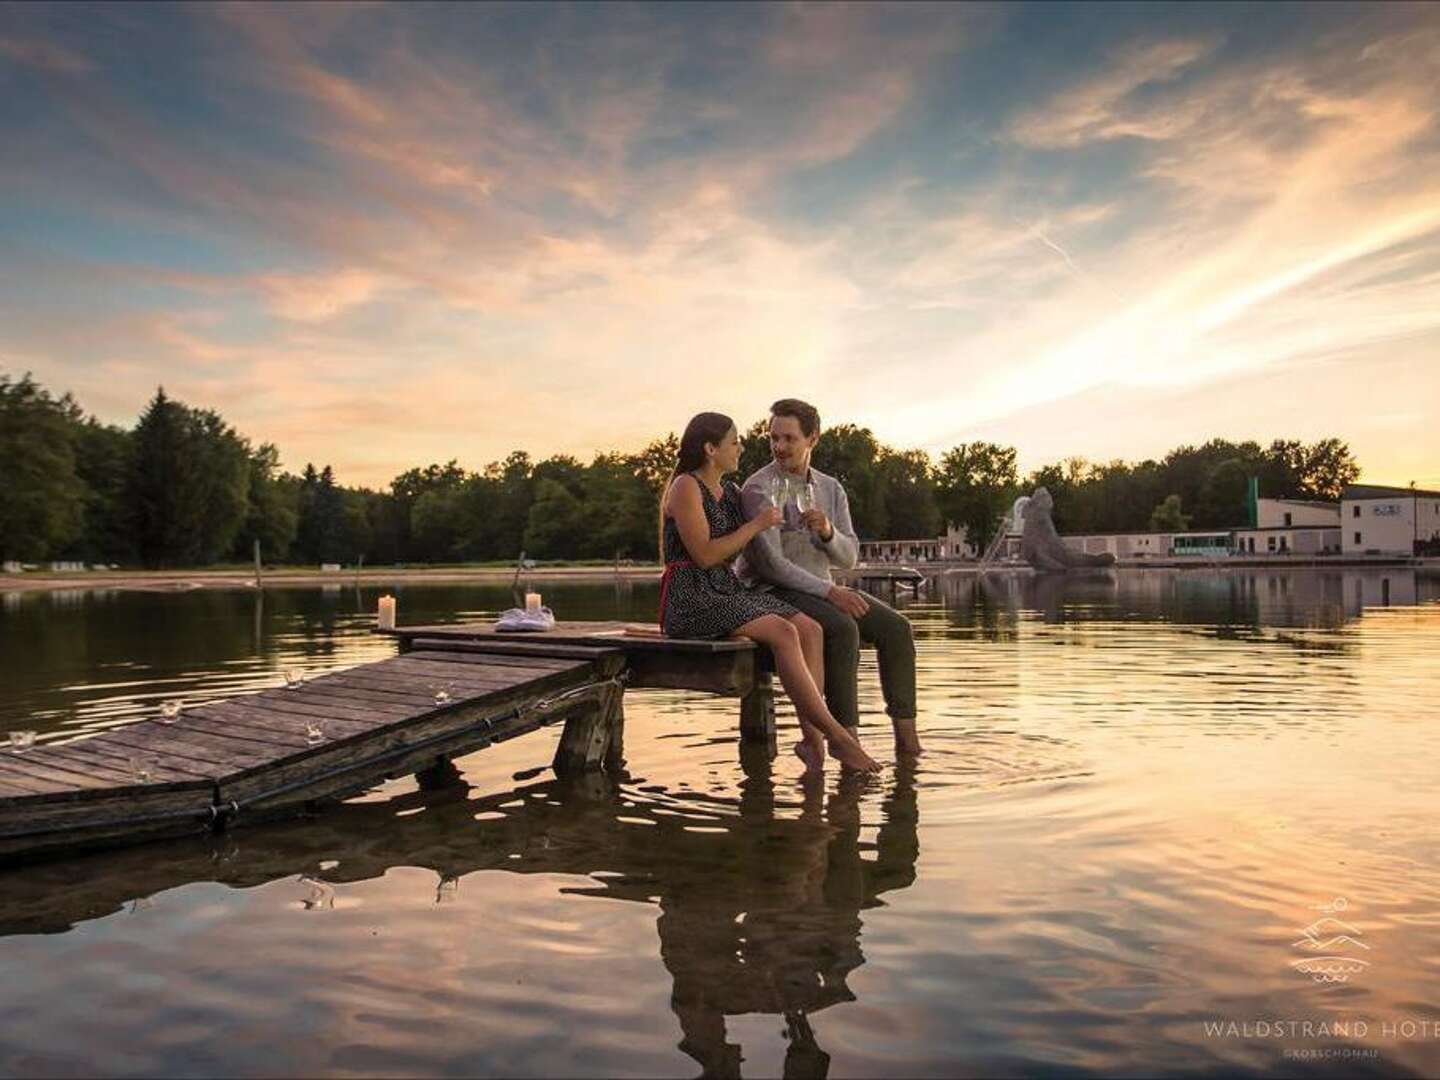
x,y
698,603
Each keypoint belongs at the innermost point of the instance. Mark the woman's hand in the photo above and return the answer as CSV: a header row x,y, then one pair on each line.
x,y
769,516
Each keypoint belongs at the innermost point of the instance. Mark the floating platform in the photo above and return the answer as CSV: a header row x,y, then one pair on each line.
x,y
454,689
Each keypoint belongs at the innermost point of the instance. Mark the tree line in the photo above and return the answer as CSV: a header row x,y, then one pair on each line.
x,y
184,488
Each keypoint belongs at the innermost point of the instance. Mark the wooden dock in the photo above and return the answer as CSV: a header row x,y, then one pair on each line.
x,y
261,755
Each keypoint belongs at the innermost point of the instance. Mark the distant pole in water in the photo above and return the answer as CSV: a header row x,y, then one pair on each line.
x,y
258,583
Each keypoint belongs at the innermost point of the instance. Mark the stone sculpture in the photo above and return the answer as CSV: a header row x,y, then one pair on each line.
x,y
1041,546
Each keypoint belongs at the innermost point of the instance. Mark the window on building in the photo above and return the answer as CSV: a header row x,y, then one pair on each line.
x,y
1356,509
1270,543
1357,539
1288,520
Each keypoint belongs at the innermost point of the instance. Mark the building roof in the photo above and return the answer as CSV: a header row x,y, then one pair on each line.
x,y
1325,504
1333,527
1380,491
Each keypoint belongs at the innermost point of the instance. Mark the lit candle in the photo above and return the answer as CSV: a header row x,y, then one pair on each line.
x,y
532,603
386,615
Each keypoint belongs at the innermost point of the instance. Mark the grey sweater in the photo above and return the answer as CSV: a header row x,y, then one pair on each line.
x,y
791,556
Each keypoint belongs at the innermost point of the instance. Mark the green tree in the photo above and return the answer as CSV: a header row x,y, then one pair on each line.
x,y
852,455
911,511
103,462
976,484
272,513
42,500
189,484
754,448
510,512
438,525
1166,517
406,488
556,527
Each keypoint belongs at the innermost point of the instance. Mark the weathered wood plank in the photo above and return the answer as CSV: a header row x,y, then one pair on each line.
x,y
227,751
29,767
116,742
497,659
460,666
94,775
245,714
113,758
757,714
572,633
731,674
492,647
588,735
427,681
347,760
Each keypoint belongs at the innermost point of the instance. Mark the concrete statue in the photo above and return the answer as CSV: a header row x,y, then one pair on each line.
x,y
1041,546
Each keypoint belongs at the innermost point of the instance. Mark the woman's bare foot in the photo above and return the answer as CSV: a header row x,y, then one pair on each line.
x,y
813,756
907,739
852,755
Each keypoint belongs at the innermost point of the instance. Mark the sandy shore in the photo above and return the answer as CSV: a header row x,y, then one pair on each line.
x,y
181,580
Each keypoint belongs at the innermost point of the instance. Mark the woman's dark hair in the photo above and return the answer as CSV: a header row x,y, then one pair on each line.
x,y
705,427
803,411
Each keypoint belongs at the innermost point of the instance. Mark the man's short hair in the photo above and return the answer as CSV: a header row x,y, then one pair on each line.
x,y
803,411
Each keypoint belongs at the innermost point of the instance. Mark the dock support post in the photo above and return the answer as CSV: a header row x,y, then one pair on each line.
x,y
757,713
594,737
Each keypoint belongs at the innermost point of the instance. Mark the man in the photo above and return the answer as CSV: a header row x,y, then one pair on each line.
x,y
795,562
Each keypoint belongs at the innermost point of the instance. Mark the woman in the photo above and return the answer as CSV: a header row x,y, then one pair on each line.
x,y
702,529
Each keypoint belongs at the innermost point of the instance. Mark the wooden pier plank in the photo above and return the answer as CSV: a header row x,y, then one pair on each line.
x,y
250,753
568,633
112,758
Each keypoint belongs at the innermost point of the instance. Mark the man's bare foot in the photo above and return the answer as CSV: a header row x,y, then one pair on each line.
x,y
813,756
852,755
907,740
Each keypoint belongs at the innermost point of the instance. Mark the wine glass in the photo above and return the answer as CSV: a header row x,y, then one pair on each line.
x,y
20,741
805,497
314,733
294,679
443,695
170,711
779,490
143,769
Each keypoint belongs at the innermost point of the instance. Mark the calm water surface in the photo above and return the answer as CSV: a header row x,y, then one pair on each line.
x,y
1141,789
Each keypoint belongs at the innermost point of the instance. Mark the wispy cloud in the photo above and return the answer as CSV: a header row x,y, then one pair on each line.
x,y
378,234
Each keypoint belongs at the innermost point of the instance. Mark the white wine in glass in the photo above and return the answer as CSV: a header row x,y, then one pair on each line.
x,y
805,497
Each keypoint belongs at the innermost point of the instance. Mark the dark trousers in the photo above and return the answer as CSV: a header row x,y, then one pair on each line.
x,y
881,626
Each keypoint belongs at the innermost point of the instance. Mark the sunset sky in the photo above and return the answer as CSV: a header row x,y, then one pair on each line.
x,y
380,236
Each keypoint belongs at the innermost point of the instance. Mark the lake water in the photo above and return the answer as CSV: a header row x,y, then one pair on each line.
x,y
1145,794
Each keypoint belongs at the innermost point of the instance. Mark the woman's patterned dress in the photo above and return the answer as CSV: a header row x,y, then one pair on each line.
x,y
698,603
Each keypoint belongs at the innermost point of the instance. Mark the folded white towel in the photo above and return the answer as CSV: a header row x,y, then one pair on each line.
x,y
520,619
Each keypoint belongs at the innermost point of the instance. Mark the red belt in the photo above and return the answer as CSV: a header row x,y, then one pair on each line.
x,y
670,567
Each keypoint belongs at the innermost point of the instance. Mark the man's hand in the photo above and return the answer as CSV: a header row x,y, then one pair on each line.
x,y
849,601
818,523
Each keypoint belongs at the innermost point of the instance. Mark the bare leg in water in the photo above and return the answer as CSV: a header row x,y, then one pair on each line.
x,y
783,640
811,747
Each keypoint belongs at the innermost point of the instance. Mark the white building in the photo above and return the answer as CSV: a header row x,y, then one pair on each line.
x,y
1211,543
1291,527
1287,513
1378,520
953,545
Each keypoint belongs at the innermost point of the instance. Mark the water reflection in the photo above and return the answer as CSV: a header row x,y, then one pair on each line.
x,y
760,909
1139,785
1317,598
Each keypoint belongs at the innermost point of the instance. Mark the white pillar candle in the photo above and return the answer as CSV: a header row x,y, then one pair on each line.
x,y
532,603
386,614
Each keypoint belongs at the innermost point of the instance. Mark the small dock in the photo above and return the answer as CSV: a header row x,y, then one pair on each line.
x,y
870,578
453,689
